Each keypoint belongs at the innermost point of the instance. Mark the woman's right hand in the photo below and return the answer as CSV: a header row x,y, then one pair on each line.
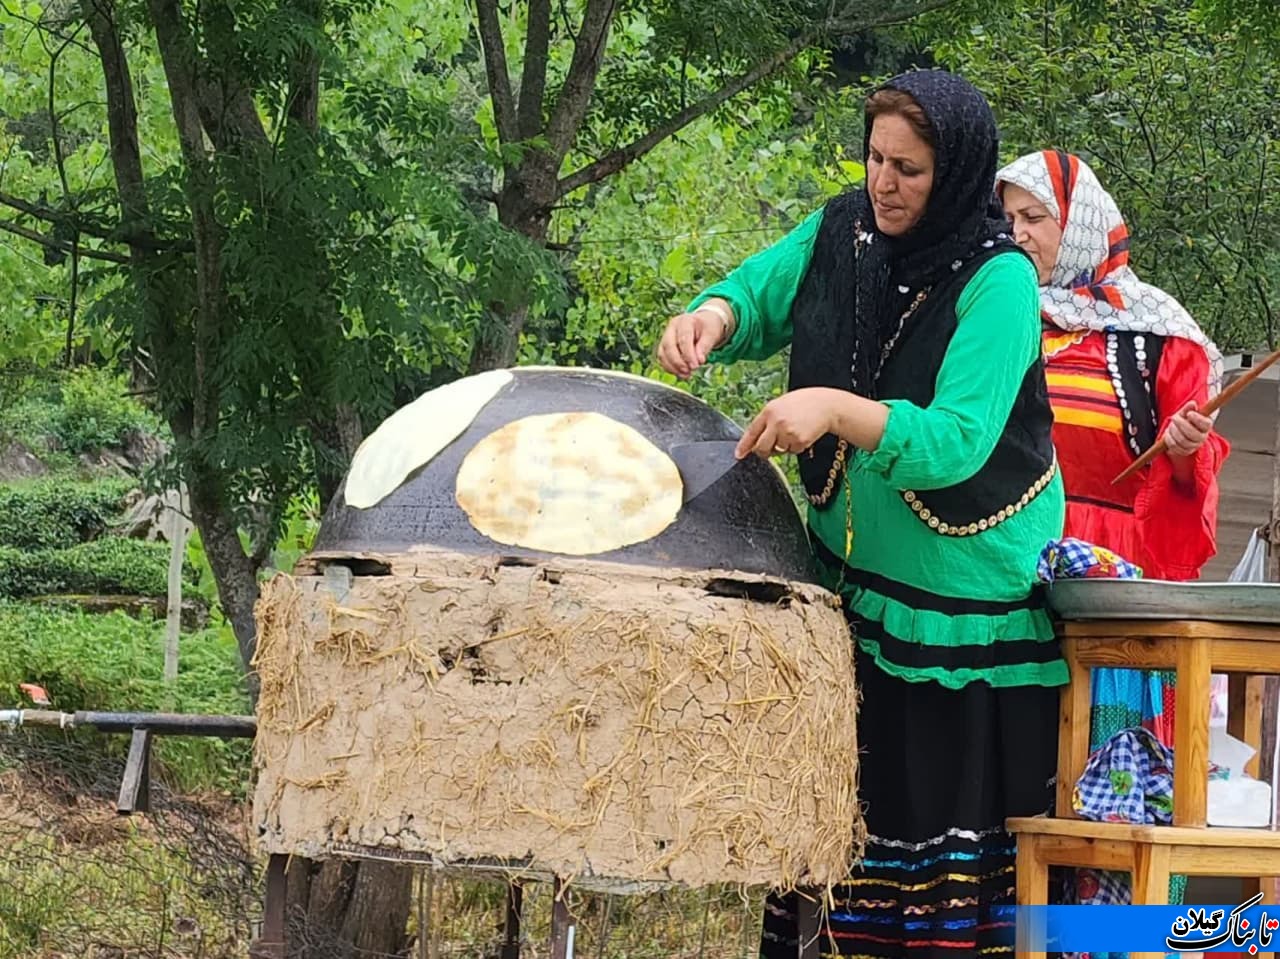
x,y
690,338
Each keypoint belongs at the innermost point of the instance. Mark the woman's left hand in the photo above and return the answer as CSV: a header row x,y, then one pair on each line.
x,y
1188,430
790,424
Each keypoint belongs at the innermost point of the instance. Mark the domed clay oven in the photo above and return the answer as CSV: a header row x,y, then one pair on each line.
x,y
516,645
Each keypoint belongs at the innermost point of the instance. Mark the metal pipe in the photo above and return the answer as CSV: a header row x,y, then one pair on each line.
x,y
160,724
170,724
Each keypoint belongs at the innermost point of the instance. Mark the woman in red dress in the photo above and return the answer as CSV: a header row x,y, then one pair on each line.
x,y
1125,364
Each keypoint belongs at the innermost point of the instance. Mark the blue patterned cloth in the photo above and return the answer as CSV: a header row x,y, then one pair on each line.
x,y
1075,559
1130,779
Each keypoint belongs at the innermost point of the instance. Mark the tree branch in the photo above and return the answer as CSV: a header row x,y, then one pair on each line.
x,y
533,79
858,15
612,162
495,69
575,94
62,247
55,128
122,114
223,99
178,56
131,207
304,73
855,17
31,209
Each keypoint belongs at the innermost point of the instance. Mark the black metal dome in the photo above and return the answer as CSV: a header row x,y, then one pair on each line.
x,y
745,521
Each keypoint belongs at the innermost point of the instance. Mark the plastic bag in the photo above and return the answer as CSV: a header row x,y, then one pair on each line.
x,y
1252,567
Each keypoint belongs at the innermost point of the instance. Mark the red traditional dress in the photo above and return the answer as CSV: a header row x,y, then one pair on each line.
x,y
1122,357
1150,519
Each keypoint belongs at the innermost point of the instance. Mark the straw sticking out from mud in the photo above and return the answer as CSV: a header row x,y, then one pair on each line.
x,y
595,721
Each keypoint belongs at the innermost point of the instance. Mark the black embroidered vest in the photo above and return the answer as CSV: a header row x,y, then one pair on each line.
x,y
1022,463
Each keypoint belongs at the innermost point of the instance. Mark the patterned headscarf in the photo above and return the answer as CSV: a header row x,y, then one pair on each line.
x,y
1092,286
962,218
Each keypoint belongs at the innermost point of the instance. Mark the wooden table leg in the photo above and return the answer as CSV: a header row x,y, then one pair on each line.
x,y
1031,877
1244,713
1073,730
1150,882
1191,733
1150,874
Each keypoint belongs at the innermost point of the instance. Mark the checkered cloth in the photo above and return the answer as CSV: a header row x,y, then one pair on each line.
x,y
1075,559
1097,887
1130,779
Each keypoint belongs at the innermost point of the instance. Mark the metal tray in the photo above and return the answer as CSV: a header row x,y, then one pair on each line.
x,y
1159,599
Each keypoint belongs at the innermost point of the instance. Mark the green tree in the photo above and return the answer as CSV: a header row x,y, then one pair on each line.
x,y
277,265
276,270
580,112
1175,110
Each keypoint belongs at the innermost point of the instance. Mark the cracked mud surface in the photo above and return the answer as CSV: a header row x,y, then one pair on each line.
x,y
586,719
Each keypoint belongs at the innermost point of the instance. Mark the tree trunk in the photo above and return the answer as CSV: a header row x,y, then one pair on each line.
x,y
343,909
340,435
524,206
233,570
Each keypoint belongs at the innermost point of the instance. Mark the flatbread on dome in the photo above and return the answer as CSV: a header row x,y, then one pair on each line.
x,y
415,434
575,483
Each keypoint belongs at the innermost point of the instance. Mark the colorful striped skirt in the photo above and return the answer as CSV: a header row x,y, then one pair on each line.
x,y
940,772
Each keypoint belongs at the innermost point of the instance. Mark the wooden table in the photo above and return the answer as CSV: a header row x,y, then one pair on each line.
x,y
1150,853
1195,650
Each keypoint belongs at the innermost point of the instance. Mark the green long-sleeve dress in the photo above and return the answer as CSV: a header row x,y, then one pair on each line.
x,y
957,660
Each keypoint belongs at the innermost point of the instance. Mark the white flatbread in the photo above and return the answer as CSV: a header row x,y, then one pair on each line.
x,y
414,434
571,483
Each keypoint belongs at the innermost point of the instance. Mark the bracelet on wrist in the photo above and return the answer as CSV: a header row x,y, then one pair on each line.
x,y
726,317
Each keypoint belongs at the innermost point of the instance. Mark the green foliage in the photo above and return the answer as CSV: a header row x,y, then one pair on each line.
x,y
97,412
1256,21
1176,115
112,565
82,411
58,513
670,225
115,662
301,523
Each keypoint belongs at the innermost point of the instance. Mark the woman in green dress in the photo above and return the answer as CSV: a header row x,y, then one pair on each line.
x,y
918,410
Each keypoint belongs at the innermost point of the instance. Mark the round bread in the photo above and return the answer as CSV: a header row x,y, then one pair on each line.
x,y
413,435
576,483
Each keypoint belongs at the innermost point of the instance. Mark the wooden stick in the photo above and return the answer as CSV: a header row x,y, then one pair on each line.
x,y
1219,401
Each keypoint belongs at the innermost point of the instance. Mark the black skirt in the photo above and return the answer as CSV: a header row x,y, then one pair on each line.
x,y
941,770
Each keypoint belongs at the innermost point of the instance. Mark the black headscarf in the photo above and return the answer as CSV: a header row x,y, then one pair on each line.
x,y
842,346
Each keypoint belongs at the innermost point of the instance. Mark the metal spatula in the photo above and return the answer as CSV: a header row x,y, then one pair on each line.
x,y
702,464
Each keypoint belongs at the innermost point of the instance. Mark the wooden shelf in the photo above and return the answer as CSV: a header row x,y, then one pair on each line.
x,y
1155,835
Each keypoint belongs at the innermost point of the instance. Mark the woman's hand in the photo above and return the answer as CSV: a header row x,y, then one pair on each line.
x,y
690,337
790,424
1188,430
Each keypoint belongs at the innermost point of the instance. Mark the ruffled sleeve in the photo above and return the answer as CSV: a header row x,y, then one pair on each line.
x,y
1179,522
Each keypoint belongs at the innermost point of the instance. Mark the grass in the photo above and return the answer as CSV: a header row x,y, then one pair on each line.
x,y
115,662
80,881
